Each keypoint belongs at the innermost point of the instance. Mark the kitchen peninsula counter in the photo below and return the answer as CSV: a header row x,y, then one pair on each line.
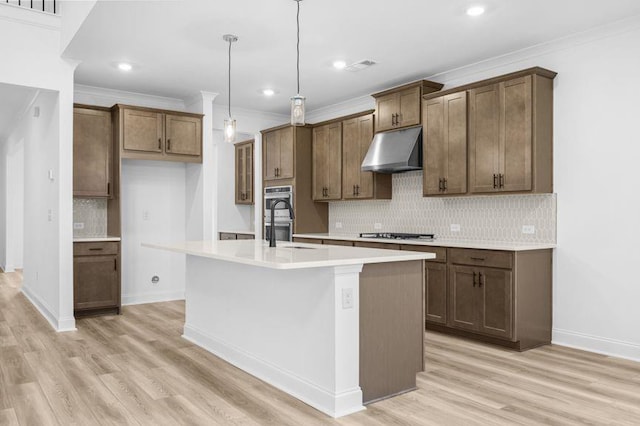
x,y
336,327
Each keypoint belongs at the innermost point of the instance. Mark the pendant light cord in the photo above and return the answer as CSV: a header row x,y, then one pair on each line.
x,y
298,46
230,42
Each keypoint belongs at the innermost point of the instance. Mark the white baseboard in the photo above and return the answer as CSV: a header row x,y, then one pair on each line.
x,y
335,405
62,324
7,268
165,296
597,344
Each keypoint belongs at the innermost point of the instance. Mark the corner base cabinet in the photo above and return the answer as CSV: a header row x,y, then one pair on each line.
x,y
96,278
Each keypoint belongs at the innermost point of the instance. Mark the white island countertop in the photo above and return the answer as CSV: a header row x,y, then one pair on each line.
x,y
437,242
288,255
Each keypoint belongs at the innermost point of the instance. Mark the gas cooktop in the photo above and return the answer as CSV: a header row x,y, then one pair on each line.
x,y
397,236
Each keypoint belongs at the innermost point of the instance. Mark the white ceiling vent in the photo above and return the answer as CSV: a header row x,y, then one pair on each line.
x,y
360,65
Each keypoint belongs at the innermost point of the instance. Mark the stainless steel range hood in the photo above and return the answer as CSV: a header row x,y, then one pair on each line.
x,y
395,151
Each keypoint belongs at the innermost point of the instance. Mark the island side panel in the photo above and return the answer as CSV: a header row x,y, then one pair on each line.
x,y
286,327
391,328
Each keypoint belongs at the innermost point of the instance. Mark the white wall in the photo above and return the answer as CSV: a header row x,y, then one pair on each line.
x,y
153,200
11,204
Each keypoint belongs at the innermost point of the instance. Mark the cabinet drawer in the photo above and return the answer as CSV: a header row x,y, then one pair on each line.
x,y
491,258
98,248
245,237
338,243
440,252
227,236
387,246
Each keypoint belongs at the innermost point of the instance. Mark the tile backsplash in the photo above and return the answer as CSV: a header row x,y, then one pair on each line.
x,y
92,213
499,218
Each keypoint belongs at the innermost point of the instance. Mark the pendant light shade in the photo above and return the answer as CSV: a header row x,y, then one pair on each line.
x,y
230,122
297,101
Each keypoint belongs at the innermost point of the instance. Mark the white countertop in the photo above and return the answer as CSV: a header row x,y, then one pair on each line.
x,y
288,255
95,239
437,242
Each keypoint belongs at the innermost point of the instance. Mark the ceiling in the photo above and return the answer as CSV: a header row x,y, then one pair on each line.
x,y
14,100
177,50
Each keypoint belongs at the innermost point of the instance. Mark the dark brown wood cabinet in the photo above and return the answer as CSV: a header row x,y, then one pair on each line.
x,y
401,106
96,278
92,152
279,153
445,144
244,173
357,134
236,236
152,134
327,162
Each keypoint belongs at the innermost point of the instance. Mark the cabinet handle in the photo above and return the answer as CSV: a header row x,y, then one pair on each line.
x,y
501,180
357,189
108,188
394,119
115,264
444,184
480,259
398,118
168,144
439,184
495,181
95,249
474,279
480,279
159,143
354,190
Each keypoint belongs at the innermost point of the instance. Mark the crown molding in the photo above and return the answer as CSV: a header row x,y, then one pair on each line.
x,y
107,97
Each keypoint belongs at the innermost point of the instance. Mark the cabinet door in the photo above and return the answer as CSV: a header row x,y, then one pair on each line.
x,y
143,131
285,138
319,163
350,157
484,138
409,107
240,174
183,135
95,282
495,302
248,173
365,188
271,147
434,146
327,162
386,107
515,141
463,312
436,292
455,128
92,148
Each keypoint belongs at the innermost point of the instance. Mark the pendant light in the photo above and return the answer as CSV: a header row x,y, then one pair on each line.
x,y
297,101
230,123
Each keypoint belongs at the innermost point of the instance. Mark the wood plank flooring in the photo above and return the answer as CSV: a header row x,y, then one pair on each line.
x,y
135,369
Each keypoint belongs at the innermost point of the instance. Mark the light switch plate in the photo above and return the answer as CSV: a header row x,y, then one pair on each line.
x,y
347,298
528,229
455,227
78,225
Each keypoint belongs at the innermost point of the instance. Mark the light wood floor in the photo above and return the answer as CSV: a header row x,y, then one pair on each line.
x,y
136,369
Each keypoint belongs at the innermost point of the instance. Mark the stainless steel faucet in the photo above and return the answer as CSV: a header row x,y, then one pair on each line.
x,y
274,203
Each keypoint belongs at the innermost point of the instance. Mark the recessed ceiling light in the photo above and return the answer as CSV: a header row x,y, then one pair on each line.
x,y
268,92
123,66
339,65
475,10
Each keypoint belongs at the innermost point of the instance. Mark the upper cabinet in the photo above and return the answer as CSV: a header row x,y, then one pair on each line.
x,y
244,172
151,134
327,162
445,144
357,134
508,131
92,152
401,106
278,153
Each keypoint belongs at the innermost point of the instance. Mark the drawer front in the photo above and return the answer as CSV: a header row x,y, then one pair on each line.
x,y
227,236
245,236
307,240
99,248
440,252
338,243
490,258
387,246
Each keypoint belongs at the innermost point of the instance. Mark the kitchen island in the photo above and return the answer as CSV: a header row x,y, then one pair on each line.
x,y
333,326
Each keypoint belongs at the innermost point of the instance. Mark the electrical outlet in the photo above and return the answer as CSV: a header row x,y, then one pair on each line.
x,y
528,229
50,215
338,225
78,225
455,227
347,298
145,215
377,226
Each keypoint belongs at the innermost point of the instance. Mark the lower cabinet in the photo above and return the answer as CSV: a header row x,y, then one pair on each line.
x,y
236,236
96,278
